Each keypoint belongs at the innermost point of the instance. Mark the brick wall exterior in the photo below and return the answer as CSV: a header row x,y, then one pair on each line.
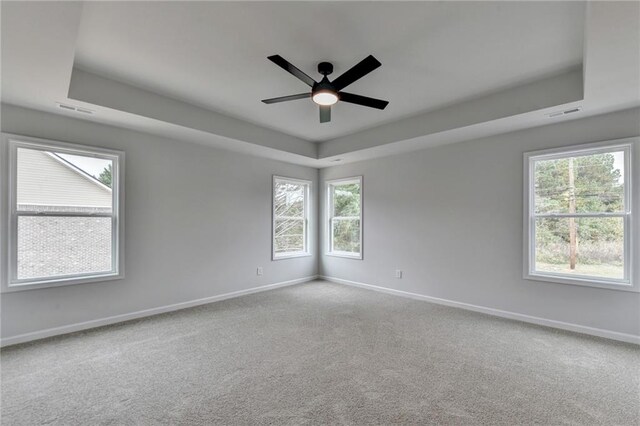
x,y
54,245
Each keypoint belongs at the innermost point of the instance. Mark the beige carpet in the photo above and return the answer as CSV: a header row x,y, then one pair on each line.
x,y
321,353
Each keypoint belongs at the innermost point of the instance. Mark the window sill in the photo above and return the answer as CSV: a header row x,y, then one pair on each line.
x,y
582,281
290,256
347,255
60,282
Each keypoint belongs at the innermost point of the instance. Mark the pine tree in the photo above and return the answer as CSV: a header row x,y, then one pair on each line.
x,y
105,176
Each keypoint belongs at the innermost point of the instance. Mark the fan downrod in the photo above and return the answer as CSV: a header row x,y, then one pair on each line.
x,y
325,68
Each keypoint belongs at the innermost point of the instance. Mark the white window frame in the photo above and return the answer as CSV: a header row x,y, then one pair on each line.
x,y
331,184
629,282
307,190
10,145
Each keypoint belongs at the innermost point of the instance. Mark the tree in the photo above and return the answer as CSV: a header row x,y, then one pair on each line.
x,y
105,176
582,184
289,217
346,203
597,185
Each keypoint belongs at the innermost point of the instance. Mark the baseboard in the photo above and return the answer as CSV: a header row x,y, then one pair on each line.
x,y
65,329
608,334
27,337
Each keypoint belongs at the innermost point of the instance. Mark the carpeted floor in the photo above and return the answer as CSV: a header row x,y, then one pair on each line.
x,y
321,353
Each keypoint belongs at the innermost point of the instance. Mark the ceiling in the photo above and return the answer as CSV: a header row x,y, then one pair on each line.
x,y
196,71
214,54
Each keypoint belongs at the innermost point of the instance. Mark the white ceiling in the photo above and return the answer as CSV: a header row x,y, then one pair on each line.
x,y
214,54
453,71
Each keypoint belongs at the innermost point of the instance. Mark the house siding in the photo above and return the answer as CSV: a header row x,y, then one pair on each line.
x,y
45,181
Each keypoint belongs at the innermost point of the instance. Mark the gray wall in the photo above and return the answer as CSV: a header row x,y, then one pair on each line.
x,y
451,218
198,223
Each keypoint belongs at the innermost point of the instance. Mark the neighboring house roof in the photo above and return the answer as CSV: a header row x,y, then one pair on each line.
x,y
45,178
78,170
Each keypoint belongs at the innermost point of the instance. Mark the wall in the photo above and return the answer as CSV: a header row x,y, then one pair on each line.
x,y
451,218
198,223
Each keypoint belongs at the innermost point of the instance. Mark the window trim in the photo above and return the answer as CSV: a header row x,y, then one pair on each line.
x,y
630,281
329,230
307,193
10,144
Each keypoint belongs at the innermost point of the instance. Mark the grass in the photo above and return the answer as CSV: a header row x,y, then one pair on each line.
x,y
601,270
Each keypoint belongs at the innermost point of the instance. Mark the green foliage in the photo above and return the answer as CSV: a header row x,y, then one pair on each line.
x,y
346,204
597,185
105,176
346,235
597,189
346,200
289,212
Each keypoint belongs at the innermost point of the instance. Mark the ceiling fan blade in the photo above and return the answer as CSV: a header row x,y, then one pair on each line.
x,y
290,68
358,71
287,98
325,113
363,100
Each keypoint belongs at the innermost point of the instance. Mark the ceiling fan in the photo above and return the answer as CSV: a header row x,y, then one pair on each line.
x,y
326,93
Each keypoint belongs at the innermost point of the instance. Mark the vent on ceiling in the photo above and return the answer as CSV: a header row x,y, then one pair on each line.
x,y
565,112
74,108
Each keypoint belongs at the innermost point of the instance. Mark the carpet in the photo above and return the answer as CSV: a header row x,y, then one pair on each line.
x,y
321,353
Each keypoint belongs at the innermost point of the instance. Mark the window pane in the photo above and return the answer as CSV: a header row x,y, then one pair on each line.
x,y
598,242
289,199
346,235
583,184
51,246
51,181
346,200
289,235
290,215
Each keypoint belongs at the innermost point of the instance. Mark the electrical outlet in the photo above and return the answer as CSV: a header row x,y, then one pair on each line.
x,y
259,270
398,273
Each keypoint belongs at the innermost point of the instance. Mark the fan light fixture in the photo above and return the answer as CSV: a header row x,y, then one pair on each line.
x,y
325,98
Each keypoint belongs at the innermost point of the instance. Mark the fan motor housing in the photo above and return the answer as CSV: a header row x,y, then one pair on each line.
x,y
325,68
323,85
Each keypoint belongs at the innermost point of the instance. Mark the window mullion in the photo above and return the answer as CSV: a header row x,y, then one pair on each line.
x,y
65,214
570,215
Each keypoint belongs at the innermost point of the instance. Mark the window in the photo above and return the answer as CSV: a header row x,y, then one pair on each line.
x,y
290,218
345,217
578,215
64,214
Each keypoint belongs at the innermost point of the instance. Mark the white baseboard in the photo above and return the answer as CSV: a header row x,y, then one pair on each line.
x,y
65,329
614,335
